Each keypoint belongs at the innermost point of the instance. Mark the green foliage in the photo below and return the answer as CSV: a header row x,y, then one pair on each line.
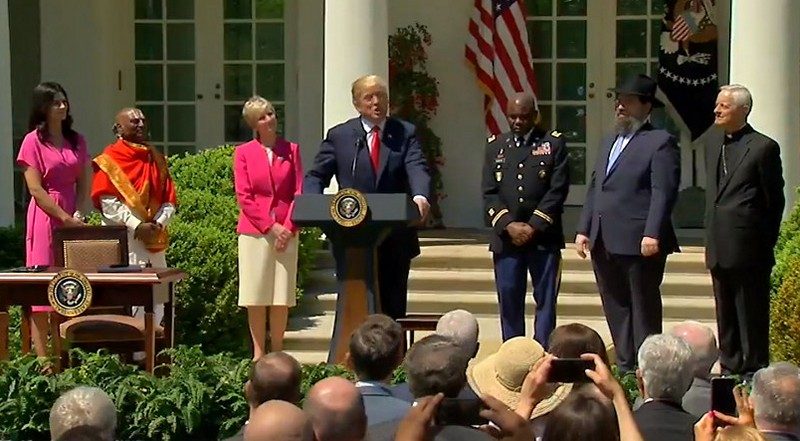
x,y
198,397
203,243
785,314
12,252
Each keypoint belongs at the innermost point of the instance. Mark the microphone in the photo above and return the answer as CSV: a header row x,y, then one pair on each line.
x,y
359,145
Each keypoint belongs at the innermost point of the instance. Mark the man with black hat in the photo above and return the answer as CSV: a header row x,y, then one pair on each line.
x,y
626,218
525,183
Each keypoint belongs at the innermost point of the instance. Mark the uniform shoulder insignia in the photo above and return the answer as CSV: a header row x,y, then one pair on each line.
x,y
555,133
491,138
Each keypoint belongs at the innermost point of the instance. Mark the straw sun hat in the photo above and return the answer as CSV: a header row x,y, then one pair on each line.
x,y
502,373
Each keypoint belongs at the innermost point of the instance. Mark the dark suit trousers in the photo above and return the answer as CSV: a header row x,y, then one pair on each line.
x,y
742,303
631,295
393,268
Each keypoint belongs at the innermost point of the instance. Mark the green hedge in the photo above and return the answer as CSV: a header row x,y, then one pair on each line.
x,y
785,305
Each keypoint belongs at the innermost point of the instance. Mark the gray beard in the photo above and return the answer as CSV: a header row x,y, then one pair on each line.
x,y
626,125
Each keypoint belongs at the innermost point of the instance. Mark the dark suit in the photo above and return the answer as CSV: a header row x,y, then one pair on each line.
x,y
381,406
743,217
386,432
697,400
633,199
664,420
344,154
403,392
526,183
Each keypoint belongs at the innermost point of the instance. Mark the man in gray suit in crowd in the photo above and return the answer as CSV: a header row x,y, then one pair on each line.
x,y
701,339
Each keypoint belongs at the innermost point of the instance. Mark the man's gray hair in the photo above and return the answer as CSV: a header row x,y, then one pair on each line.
x,y
665,363
702,342
741,95
776,396
462,327
83,406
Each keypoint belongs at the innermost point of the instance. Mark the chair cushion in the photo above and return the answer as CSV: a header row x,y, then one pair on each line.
x,y
105,327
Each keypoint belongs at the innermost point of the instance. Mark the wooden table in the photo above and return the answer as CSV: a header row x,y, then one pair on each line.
x,y
108,289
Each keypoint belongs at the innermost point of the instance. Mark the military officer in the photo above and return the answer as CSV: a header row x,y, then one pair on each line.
x,y
525,183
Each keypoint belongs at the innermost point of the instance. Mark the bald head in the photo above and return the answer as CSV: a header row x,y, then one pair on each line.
x,y
521,112
278,421
462,327
336,410
275,376
131,125
701,340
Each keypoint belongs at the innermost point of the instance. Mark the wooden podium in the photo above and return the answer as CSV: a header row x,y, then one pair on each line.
x,y
355,242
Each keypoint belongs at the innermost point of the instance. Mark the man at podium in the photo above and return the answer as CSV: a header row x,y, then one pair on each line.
x,y
376,153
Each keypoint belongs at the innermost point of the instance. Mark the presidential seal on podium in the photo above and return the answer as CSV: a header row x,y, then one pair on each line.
x,y
69,293
348,207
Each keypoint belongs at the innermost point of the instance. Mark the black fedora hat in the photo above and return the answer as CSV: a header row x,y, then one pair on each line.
x,y
641,85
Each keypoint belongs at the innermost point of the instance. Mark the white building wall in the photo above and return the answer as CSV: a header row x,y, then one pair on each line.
x,y
88,47
309,59
459,121
6,159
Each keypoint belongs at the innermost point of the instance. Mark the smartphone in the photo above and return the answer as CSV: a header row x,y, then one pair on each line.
x,y
460,412
722,399
569,370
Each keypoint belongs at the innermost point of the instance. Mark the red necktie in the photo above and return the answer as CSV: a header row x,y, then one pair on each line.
x,y
375,148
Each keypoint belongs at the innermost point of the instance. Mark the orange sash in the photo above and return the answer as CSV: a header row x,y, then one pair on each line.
x,y
137,175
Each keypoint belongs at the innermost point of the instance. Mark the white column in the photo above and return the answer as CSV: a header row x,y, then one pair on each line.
x,y
6,136
765,58
356,44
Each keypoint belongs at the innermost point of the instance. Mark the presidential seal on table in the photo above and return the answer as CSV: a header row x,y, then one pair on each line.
x,y
69,293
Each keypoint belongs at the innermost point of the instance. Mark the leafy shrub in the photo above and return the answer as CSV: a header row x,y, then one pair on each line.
x,y
204,244
12,252
785,314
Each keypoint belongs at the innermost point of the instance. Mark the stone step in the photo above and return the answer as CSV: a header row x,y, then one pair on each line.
x,y
484,303
458,257
482,281
308,338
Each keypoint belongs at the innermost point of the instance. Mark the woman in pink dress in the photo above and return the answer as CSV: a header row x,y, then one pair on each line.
x,y
55,163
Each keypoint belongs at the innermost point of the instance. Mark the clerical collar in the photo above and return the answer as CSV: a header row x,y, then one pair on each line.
x,y
737,135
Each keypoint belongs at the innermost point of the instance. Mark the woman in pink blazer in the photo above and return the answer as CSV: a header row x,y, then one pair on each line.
x,y
268,174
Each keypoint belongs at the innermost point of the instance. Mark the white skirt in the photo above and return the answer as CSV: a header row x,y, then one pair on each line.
x,y
266,277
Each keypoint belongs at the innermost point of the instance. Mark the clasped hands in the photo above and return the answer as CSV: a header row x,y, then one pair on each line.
x,y
520,233
146,231
282,236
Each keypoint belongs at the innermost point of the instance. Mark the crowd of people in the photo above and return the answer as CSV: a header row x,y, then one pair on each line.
x,y
509,395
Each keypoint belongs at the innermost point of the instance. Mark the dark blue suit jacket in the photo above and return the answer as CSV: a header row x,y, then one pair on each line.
x,y
403,169
636,197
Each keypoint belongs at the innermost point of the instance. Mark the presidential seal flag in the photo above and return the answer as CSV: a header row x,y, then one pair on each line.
x,y
687,60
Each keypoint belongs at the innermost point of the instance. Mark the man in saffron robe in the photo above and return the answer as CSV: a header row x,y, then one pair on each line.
x,y
132,187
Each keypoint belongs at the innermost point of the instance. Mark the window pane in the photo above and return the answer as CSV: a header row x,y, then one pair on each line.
x,y
148,9
577,165
269,81
238,9
149,82
149,41
269,41
238,82
571,39
180,9
180,82
540,38
572,7
540,8
180,41
544,79
238,41
631,38
571,121
571,81
546,117
655,37
658,7
180,150
181,121
627,70
280,111
269,8
235,128
155,121
631,7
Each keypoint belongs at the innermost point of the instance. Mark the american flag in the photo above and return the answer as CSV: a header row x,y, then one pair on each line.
x,y
684,27
498,49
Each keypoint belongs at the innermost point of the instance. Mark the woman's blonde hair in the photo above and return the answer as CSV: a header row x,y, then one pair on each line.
x,y
255,107
739,433
366,82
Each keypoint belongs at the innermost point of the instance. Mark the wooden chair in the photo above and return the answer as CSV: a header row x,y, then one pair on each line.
x,y
417,322
113,328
